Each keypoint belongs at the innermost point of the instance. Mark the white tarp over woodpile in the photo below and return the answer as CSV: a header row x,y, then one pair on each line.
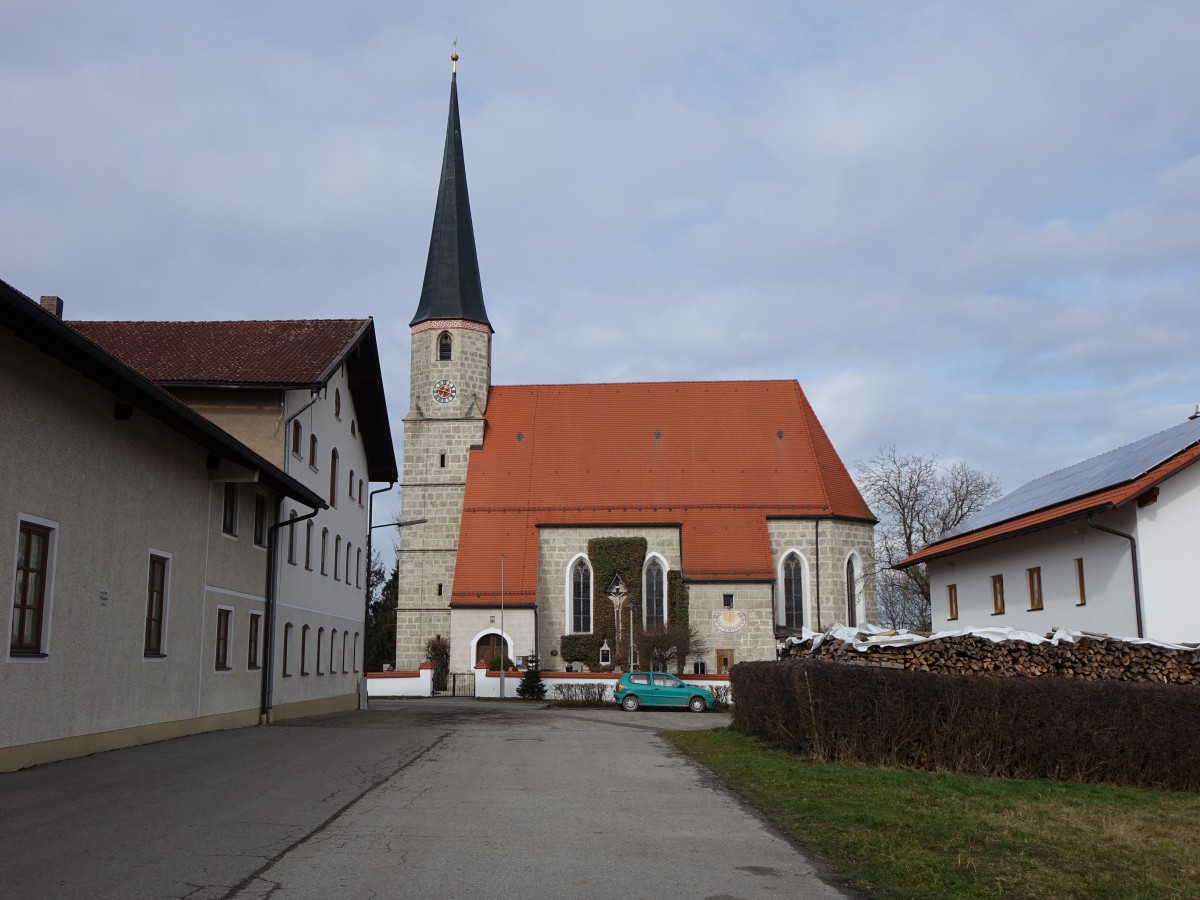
x,y
864,637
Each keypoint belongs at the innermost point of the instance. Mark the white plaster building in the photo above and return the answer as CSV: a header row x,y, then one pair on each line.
x,y
307,395
1103,546
750,520
132,617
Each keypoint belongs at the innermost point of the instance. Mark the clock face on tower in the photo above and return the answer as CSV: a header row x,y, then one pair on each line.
x,y
444,391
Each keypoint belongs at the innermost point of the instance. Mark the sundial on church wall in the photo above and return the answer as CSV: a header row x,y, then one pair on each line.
x,y
729,621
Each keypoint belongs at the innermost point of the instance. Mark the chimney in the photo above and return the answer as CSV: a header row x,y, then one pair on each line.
x,y
52,305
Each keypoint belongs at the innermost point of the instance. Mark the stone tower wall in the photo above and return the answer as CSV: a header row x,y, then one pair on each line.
x,y
437,442
470,368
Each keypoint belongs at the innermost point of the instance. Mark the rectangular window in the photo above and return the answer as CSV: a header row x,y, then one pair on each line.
x,y
952,600
31,593
287,642
1034,577
997,595
727,600
1079,582
223,617
229,514
260,520
439,590
442,461
292,538
156,605
252,647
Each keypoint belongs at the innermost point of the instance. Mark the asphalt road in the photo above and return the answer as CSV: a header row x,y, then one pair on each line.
x,y
420,798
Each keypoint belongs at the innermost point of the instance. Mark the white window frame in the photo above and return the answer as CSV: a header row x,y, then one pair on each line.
x,y
781,599
166,611
568,591
229,640
48,599
655,557
859,596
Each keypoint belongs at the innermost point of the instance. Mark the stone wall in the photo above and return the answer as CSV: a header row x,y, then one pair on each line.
x,y
557,547
839,540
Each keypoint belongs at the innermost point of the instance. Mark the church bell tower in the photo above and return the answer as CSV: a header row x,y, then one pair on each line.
x,y
450,374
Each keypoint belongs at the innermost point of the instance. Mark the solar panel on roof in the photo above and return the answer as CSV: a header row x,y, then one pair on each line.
x,y
1106,470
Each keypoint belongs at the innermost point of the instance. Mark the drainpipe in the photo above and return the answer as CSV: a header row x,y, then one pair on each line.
x,y
268,677
1137,590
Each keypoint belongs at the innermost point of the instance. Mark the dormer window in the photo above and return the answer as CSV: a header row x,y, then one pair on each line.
x,y
445,347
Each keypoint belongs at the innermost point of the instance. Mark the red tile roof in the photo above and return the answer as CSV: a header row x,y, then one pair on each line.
x,y
716,459
281,353
1075,508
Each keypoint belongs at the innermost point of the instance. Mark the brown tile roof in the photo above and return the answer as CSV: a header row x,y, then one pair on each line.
x,y
1077,507
716,459
280,353
29,321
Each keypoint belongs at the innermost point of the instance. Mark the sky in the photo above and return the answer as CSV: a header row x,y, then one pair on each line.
x,y
967,229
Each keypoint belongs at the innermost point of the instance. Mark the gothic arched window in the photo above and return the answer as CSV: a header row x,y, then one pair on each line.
x,y
445,348
653,584
851,594
793,591
581,597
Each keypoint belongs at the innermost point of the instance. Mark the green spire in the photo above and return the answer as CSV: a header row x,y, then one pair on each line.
x,y
452,287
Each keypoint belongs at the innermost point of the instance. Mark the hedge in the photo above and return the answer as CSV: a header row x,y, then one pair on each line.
x,y
1137,734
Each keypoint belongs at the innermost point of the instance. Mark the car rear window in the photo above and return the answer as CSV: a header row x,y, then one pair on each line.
x,y
639,679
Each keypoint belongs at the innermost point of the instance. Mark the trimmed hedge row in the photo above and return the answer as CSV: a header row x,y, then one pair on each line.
x,y
1145,735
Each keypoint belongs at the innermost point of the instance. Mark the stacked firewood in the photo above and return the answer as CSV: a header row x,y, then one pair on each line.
x,y
1092,658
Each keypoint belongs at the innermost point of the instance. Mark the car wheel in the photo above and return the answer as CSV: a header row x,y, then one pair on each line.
x,y
630,704
696,704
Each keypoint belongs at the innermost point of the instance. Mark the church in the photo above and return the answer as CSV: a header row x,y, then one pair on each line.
x,y
562,520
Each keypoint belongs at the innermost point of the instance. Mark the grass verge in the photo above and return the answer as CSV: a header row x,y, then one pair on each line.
x,y
907,834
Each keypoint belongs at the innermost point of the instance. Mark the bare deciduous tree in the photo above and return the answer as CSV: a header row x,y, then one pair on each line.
x,y
918,500
660,647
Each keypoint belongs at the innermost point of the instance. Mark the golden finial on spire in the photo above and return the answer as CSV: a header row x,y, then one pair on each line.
x,y
454,58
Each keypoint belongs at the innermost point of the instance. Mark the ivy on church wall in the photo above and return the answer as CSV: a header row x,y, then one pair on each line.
x,y
677,599
609,557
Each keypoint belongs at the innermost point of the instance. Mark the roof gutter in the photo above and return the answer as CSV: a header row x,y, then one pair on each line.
x,y
919,557
1137,588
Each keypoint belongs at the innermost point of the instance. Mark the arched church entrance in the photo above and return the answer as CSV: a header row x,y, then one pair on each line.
x,y
490,647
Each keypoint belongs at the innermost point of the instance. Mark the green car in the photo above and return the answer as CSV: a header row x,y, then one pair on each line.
x,y
636,689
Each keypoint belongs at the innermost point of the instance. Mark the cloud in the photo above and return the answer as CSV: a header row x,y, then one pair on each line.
x,y
966,229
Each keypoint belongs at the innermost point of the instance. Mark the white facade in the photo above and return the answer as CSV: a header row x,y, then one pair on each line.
x,y
322,565
119,493
1164,533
